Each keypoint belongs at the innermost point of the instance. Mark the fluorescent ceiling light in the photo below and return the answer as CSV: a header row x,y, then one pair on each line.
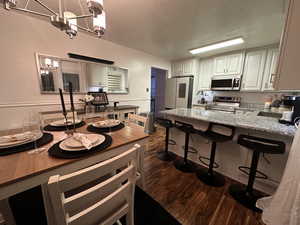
x,y
219,45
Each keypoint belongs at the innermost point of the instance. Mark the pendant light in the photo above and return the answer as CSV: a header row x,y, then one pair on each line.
x,y
65,20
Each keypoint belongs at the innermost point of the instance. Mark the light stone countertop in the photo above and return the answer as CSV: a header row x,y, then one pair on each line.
x,y
248,120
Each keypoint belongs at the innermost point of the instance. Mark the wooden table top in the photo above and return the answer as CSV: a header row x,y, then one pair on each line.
x,y
22,165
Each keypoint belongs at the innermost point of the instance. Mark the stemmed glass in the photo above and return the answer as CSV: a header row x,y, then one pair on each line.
x,y
33,123
110,115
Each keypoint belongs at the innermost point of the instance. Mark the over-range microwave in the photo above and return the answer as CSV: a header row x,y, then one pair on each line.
x,y
226,82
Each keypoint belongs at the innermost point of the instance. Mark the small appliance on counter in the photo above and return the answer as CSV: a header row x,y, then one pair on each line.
x,y
100,99
292,113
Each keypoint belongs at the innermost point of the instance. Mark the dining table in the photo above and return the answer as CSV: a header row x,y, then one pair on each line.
x,y
22,171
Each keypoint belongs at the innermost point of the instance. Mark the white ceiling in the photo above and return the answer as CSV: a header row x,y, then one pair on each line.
x,y
169,28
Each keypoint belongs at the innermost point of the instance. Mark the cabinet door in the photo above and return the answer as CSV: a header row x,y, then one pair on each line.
x,y
206,72
220,65
253,71
234,64
188,67
270,69
288,67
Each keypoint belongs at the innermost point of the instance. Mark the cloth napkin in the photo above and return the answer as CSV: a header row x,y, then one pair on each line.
x,y
84,140
15,137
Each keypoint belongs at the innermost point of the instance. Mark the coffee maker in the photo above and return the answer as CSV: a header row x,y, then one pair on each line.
x,y
293,102
296,113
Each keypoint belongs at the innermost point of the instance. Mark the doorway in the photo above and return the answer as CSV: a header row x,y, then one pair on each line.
x,y
158,85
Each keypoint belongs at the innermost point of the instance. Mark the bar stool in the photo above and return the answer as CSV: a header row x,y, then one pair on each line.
x,y
183,164
208,175
166,155
245,194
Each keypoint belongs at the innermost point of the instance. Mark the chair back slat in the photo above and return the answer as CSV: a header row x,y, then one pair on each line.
x,y
92,195
104,202
104,209
84,176
137,118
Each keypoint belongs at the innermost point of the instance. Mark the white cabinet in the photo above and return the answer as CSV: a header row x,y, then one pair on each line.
x,y
185,67
288,67
205,74
270,69
229,64
254,70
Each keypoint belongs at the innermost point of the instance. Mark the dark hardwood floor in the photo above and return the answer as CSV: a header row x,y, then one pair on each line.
x,y
189,200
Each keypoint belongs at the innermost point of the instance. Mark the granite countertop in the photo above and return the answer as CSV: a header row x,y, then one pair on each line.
x,y
248,120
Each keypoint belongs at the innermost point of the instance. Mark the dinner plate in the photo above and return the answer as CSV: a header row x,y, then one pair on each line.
x,y
74,143
106,123
60,123
97,139
21,141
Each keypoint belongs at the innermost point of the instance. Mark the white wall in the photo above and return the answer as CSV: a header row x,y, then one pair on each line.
x,y
22,36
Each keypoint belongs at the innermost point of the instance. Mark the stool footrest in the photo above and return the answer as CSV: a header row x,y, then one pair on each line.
x,y
216,165
172,142
246,170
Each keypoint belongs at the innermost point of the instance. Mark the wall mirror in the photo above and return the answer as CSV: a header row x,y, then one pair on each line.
x,y
55,73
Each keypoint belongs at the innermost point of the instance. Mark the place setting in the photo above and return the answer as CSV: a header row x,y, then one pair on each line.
x,y
77,144
105,126
29,137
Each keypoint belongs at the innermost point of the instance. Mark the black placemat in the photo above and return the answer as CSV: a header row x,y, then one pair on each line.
x,y
57,152
63,128
99,130
45,139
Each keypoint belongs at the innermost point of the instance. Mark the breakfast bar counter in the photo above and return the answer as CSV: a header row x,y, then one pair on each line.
x,y
230,155
248,120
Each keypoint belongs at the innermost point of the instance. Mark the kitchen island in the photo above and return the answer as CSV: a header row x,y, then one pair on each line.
x,y
230,155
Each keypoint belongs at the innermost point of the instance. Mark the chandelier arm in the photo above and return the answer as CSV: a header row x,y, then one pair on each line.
x,y
26,5
46,7
32,12
84,29
81,17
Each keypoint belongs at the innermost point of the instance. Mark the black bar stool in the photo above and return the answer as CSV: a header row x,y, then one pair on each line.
x,y
208,175
166,155
183,164
245,194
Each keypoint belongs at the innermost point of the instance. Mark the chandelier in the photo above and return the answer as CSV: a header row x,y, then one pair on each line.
x,y
65,20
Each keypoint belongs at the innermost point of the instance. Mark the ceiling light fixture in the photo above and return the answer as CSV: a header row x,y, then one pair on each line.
x,y
218,45
67,21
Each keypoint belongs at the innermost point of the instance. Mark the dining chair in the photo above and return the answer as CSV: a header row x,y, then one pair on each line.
x,y
140,120
103,202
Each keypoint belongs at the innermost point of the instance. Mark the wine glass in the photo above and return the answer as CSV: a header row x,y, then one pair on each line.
x,y
110,115
34,124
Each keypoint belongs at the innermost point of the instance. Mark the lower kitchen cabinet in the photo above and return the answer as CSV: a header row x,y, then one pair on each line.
x,y
254,70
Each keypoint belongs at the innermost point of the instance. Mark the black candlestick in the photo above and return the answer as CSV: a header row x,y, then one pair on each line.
x,y
72,105
62,103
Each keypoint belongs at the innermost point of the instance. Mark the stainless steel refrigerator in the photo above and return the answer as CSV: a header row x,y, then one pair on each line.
x,y
179,92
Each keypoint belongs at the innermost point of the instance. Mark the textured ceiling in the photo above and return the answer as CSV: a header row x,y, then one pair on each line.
x,y
169,28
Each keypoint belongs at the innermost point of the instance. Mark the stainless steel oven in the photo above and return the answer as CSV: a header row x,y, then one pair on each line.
x,y
226,83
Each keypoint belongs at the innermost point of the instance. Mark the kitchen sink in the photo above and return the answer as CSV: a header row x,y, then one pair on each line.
x,y
270,114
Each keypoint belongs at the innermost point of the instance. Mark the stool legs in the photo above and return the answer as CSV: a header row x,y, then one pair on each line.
x,y
209,176
166,155
245,194
183,164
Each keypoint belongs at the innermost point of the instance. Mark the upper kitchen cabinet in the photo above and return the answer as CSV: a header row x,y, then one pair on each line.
x,y
185,67
270,69
205,74
288,67
254,70
229,64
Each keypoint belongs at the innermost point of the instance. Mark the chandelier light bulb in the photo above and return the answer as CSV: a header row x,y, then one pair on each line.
x,y
72,29
99,24
95,7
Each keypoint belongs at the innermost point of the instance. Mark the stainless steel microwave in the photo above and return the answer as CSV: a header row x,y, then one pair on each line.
x,y
226,83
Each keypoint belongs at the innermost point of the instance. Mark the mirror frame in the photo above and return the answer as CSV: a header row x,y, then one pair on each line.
x,y
37,54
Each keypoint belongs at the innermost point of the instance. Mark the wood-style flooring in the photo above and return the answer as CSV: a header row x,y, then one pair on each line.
x,y
189,200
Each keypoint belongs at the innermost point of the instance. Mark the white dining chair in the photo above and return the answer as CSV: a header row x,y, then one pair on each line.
x,y
140,120
101,203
